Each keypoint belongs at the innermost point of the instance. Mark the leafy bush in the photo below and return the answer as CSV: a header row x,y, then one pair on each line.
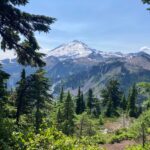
x,y
51,139
123,134
97,139
6,129
139,147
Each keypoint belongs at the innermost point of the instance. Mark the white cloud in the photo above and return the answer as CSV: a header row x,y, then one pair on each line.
x,y
11,54
145,49
7,55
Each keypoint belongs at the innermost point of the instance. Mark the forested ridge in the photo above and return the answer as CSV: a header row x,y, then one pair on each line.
x,y
31,118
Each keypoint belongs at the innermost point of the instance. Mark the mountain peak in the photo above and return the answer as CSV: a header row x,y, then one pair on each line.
x,y
74,49
78,42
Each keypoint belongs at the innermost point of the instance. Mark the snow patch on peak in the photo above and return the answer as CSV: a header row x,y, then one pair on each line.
x,y
74,49
111,54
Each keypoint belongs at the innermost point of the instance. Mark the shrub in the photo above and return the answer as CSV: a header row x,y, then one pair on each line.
x,y
51,139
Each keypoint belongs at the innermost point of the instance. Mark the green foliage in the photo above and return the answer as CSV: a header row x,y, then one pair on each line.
x,y
132,98
3,88
40,87
97,108
61,95
59,119
98,138
80,104
135,131
51,139
68,114
83,107
101,120
85,125
111,97
32,95
6,128
145,85
21,96
120,136
139,147
90,100
124,103
17,31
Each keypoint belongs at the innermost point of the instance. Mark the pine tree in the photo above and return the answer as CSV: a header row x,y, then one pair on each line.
x,y
111,98
83,125
17,31
80,104
20,100
61,95
123,103
60,119
83,107
32,94
132,109
40,89
110,111
68,113
3,88
97,107
90,100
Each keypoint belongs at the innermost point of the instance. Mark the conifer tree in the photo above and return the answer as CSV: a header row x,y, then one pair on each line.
x,y
90,100
61,95
110,110
83,107
68,113
60,119
123,103
132,98
80,104
3,88
84,125
111,98
20,100
97,108
40,88
32,94
17,31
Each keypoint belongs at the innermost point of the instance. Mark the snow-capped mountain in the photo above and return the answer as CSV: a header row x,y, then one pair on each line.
x,y
74,49
75,64
77,49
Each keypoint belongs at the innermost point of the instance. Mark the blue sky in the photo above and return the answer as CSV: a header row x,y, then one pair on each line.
x,y
109,25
